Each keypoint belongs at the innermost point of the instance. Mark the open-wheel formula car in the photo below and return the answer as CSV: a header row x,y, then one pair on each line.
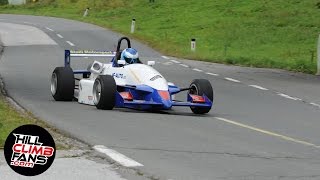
x,y
122,85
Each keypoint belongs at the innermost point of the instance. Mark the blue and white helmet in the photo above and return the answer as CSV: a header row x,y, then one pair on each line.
x,y
130,55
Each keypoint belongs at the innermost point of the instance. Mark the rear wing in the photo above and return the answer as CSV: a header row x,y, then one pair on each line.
x,y
84,53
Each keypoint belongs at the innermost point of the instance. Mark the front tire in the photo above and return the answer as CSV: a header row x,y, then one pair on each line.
x,y
201,87
104,92
62,84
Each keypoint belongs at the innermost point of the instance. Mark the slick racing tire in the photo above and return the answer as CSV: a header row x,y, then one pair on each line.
x,y
62,84
104,92
201,87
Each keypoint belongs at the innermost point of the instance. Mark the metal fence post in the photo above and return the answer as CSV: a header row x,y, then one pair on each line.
x,y
86,12
193,44
133,23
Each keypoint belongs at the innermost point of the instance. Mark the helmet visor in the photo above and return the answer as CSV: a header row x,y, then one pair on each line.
x,y
131,60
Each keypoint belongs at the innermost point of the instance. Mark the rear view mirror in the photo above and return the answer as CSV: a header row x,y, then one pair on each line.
x,y
121,62
151,63
96,67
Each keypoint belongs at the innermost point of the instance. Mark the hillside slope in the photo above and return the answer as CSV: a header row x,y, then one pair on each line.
x,y
267,33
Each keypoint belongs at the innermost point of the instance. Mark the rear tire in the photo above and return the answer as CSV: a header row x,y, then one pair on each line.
x,y
62,84
104,92
201,87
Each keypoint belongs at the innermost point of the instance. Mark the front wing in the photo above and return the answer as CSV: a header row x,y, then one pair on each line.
x,y
153,100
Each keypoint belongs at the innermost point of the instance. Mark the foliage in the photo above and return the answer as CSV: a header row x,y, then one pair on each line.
x,y
9,120
3,2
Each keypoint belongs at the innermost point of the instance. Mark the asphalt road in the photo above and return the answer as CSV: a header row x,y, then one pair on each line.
x,y
265,123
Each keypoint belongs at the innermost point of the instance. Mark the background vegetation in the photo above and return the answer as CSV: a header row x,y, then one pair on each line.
x,y
265,33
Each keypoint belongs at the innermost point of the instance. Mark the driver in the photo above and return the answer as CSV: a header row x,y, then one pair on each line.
x,y
130,55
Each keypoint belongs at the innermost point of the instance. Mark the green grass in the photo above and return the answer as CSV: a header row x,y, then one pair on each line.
x,y
9,120
267,33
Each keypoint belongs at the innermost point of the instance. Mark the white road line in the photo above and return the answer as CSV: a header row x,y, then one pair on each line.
x,y
49,29
25,22
198,70
70,43
212,74
164,57
116,156
289,97
259,87
175,61
315,104
230,79
268,132
184,65
167,63
60,36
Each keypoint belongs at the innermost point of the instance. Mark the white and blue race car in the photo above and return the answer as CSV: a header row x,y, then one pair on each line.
x,y
121,85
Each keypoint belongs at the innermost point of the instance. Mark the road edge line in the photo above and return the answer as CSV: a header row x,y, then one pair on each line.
x,y
116,156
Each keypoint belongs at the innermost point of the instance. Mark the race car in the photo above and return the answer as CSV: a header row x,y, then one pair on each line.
x,y
118,84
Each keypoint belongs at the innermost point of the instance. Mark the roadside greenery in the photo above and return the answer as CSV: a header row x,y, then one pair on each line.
x,y
267,33
3,2
9,120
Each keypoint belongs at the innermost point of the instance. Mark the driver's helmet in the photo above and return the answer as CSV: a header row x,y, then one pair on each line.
x,y
130,55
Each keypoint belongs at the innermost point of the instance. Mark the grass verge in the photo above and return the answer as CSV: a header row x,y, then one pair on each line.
x,y
267,33
10,119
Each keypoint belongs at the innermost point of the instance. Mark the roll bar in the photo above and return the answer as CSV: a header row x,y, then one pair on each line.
x,y
118,52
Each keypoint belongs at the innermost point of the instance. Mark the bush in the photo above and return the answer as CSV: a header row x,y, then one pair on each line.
x,y
3,2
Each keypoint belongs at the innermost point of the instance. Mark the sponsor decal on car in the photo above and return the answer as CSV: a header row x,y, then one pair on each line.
x,y
91,52
119,75
155,77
